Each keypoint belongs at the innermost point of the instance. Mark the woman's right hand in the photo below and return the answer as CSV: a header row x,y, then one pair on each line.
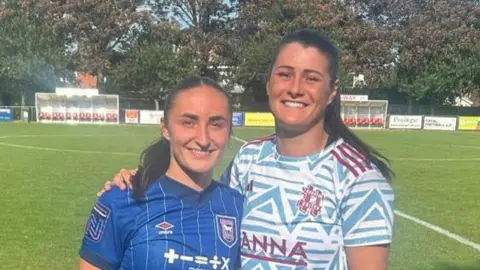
x,y
122,179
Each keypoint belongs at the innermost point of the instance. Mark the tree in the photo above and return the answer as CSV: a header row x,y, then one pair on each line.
x,y
402,44
150,70
262,23
206,30
94,30
32,56
431,40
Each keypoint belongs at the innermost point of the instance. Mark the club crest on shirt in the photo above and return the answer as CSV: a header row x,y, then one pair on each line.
x,y
97,222
311,201
227,230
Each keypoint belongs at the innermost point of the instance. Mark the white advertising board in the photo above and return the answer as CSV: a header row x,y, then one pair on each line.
x,y
405,121
439,123
150,117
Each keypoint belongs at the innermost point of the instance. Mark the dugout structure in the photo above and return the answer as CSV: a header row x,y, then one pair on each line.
x,y
360,112
77,106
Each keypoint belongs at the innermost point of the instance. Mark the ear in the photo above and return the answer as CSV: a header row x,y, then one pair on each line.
x,y
333,92
164,129
268,88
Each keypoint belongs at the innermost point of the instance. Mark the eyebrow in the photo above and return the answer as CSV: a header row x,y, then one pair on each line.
x,y
217,118
306,70
211,118
189,115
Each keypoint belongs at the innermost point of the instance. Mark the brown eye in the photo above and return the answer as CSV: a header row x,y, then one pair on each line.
x,y
218,124
187,123
284,74
313,79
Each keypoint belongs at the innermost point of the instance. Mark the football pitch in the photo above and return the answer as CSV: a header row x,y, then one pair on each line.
x,y
50,175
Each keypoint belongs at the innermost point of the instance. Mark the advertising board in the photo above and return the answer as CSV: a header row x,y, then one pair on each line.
x,y
405,121
258,119
131,116
151,117
439,123
469,123
237,119
6,115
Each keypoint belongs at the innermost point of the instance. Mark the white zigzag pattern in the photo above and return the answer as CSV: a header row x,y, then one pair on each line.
x,y
274,229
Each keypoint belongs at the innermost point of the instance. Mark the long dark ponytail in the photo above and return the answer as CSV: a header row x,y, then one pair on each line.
x,y
333,121
334,125
155,159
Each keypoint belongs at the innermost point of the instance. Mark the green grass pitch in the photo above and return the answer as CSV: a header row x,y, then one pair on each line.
x,y
50,175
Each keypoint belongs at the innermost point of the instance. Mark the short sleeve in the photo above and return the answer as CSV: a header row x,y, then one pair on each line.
x,y
227,174
231,175
368,211
102,244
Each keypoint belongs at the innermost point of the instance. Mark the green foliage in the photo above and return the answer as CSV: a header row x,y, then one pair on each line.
x,y
424,51
151,69
32,56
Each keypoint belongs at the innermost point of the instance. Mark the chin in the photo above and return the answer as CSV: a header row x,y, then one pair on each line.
x,y
200,167
294,126
200,170
291,122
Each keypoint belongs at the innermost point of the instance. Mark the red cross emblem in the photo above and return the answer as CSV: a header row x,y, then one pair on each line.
x,y
311,201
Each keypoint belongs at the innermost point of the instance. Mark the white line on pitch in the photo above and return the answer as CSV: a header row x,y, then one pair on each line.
x,y
430,226
451,235
403,159
435,159
67,150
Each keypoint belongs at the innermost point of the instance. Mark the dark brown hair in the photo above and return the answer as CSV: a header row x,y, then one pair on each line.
x,y
155,159
333,121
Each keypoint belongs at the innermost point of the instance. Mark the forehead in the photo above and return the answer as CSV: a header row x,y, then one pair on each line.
x,y
299,56
202,101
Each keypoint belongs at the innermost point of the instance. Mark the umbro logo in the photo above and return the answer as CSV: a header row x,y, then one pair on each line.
x,y
165,228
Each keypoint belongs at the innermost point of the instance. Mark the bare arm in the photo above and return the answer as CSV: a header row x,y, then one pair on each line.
x,y
367,257
84,265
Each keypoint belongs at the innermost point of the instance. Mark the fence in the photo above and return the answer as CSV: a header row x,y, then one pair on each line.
x,y
266,119
447,121
433,110
17,113
392,109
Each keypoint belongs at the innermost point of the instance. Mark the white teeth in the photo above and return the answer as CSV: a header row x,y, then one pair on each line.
x,y
200,153
294,104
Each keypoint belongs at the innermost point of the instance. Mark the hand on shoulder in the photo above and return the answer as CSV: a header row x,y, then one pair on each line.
x,y
122,180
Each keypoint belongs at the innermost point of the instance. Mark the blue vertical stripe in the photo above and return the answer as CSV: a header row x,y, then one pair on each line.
x,y
146,229
181,229
221,189
164,219
131,241
199,235
214,226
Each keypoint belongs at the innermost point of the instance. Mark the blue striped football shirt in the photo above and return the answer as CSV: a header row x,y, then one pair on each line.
x,y
175,227
303,212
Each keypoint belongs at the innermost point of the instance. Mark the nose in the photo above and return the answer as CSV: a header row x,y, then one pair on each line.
x,y
203,137
296,88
